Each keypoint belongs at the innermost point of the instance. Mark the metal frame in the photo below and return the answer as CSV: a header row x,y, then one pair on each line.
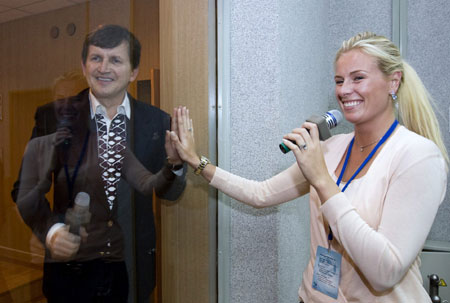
x,y
212,147
224,154
400,25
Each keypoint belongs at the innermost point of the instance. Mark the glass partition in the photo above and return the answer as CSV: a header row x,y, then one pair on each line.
x,y
50,151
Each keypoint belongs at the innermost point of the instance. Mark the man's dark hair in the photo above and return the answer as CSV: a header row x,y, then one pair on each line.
x,y
110,36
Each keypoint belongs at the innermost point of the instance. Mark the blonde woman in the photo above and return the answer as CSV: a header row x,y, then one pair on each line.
x,y
374,192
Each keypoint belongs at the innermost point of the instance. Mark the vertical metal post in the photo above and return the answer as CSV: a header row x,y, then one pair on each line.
x,y
223,144
212,146
400,25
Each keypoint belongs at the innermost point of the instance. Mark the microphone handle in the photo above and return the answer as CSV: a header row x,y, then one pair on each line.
x,y
74,229
76,218
66,143
322,125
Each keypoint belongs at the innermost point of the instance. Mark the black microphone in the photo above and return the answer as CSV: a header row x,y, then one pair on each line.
x,y
324,123
64,122
79,214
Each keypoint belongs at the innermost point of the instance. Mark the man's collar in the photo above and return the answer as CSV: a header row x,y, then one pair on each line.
x,y
97,108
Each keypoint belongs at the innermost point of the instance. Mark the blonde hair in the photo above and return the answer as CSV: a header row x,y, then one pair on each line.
x,y
415,103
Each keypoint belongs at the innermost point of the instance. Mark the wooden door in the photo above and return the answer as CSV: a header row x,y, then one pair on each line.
x,y
185,227
21,254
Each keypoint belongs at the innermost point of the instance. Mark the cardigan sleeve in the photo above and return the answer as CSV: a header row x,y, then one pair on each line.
x,y
35,181
143,180
414,192
283,187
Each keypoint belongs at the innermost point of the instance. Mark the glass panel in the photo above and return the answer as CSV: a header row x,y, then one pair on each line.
x,y
43,113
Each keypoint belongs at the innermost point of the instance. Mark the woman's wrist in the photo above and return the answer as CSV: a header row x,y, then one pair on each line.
x,y
202,165
326,189
194,161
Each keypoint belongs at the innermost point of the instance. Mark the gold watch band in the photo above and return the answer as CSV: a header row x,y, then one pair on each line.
x,y
201,166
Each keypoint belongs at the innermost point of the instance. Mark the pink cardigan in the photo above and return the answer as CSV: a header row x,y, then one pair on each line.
x,y
379,224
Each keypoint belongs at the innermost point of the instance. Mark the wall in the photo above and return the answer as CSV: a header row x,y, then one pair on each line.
x,y
277,67
254,135
428,52
347,18
303,92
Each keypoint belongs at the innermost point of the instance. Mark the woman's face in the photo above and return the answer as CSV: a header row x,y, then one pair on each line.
x,y
68,105
362,90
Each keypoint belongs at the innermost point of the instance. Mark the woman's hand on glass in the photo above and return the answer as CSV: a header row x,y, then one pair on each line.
x,y
182,136
171,151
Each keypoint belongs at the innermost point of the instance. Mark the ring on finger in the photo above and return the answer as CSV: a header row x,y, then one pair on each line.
x,y
304,147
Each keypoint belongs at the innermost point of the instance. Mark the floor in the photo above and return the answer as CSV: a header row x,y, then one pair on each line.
x,y
20,282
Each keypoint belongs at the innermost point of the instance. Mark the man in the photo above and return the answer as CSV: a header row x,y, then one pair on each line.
x,y
103,137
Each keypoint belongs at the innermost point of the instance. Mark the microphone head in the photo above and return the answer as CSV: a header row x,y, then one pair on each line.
x,y
333,118
79,214
82,199
64,122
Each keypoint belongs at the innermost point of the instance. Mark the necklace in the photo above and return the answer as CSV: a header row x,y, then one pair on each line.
x,y
361,148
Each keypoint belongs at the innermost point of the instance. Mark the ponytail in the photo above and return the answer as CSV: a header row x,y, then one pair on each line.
x,y
416,108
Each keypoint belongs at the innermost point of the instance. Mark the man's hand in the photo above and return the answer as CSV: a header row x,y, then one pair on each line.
x,y
64,245
172,154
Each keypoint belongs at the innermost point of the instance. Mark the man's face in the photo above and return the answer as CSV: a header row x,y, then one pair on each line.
x,y
108,73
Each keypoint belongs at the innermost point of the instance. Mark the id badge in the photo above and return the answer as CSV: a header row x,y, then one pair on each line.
x,y
327,272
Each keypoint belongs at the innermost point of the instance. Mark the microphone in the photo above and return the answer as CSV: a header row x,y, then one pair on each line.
x,y
324,123
64,122
79,215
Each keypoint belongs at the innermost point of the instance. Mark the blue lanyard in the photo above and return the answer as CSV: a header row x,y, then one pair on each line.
x,y
382,140
71,180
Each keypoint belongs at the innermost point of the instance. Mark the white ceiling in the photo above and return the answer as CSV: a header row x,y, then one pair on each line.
x,y
15,9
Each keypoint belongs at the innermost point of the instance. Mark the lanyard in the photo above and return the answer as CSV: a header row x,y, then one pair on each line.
x,y
71,180
382,140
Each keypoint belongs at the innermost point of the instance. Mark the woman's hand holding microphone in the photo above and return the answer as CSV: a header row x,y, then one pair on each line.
x,y
308,153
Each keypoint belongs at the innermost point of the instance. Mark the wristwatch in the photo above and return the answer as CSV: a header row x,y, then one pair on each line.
x,y
203,162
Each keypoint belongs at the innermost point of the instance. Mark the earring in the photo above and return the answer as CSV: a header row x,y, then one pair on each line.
x,y
393,96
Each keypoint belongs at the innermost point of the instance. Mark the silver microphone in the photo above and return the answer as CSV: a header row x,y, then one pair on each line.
x,y
79,214
324,123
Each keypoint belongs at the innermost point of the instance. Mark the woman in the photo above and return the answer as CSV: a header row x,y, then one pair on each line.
x,y
374,192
